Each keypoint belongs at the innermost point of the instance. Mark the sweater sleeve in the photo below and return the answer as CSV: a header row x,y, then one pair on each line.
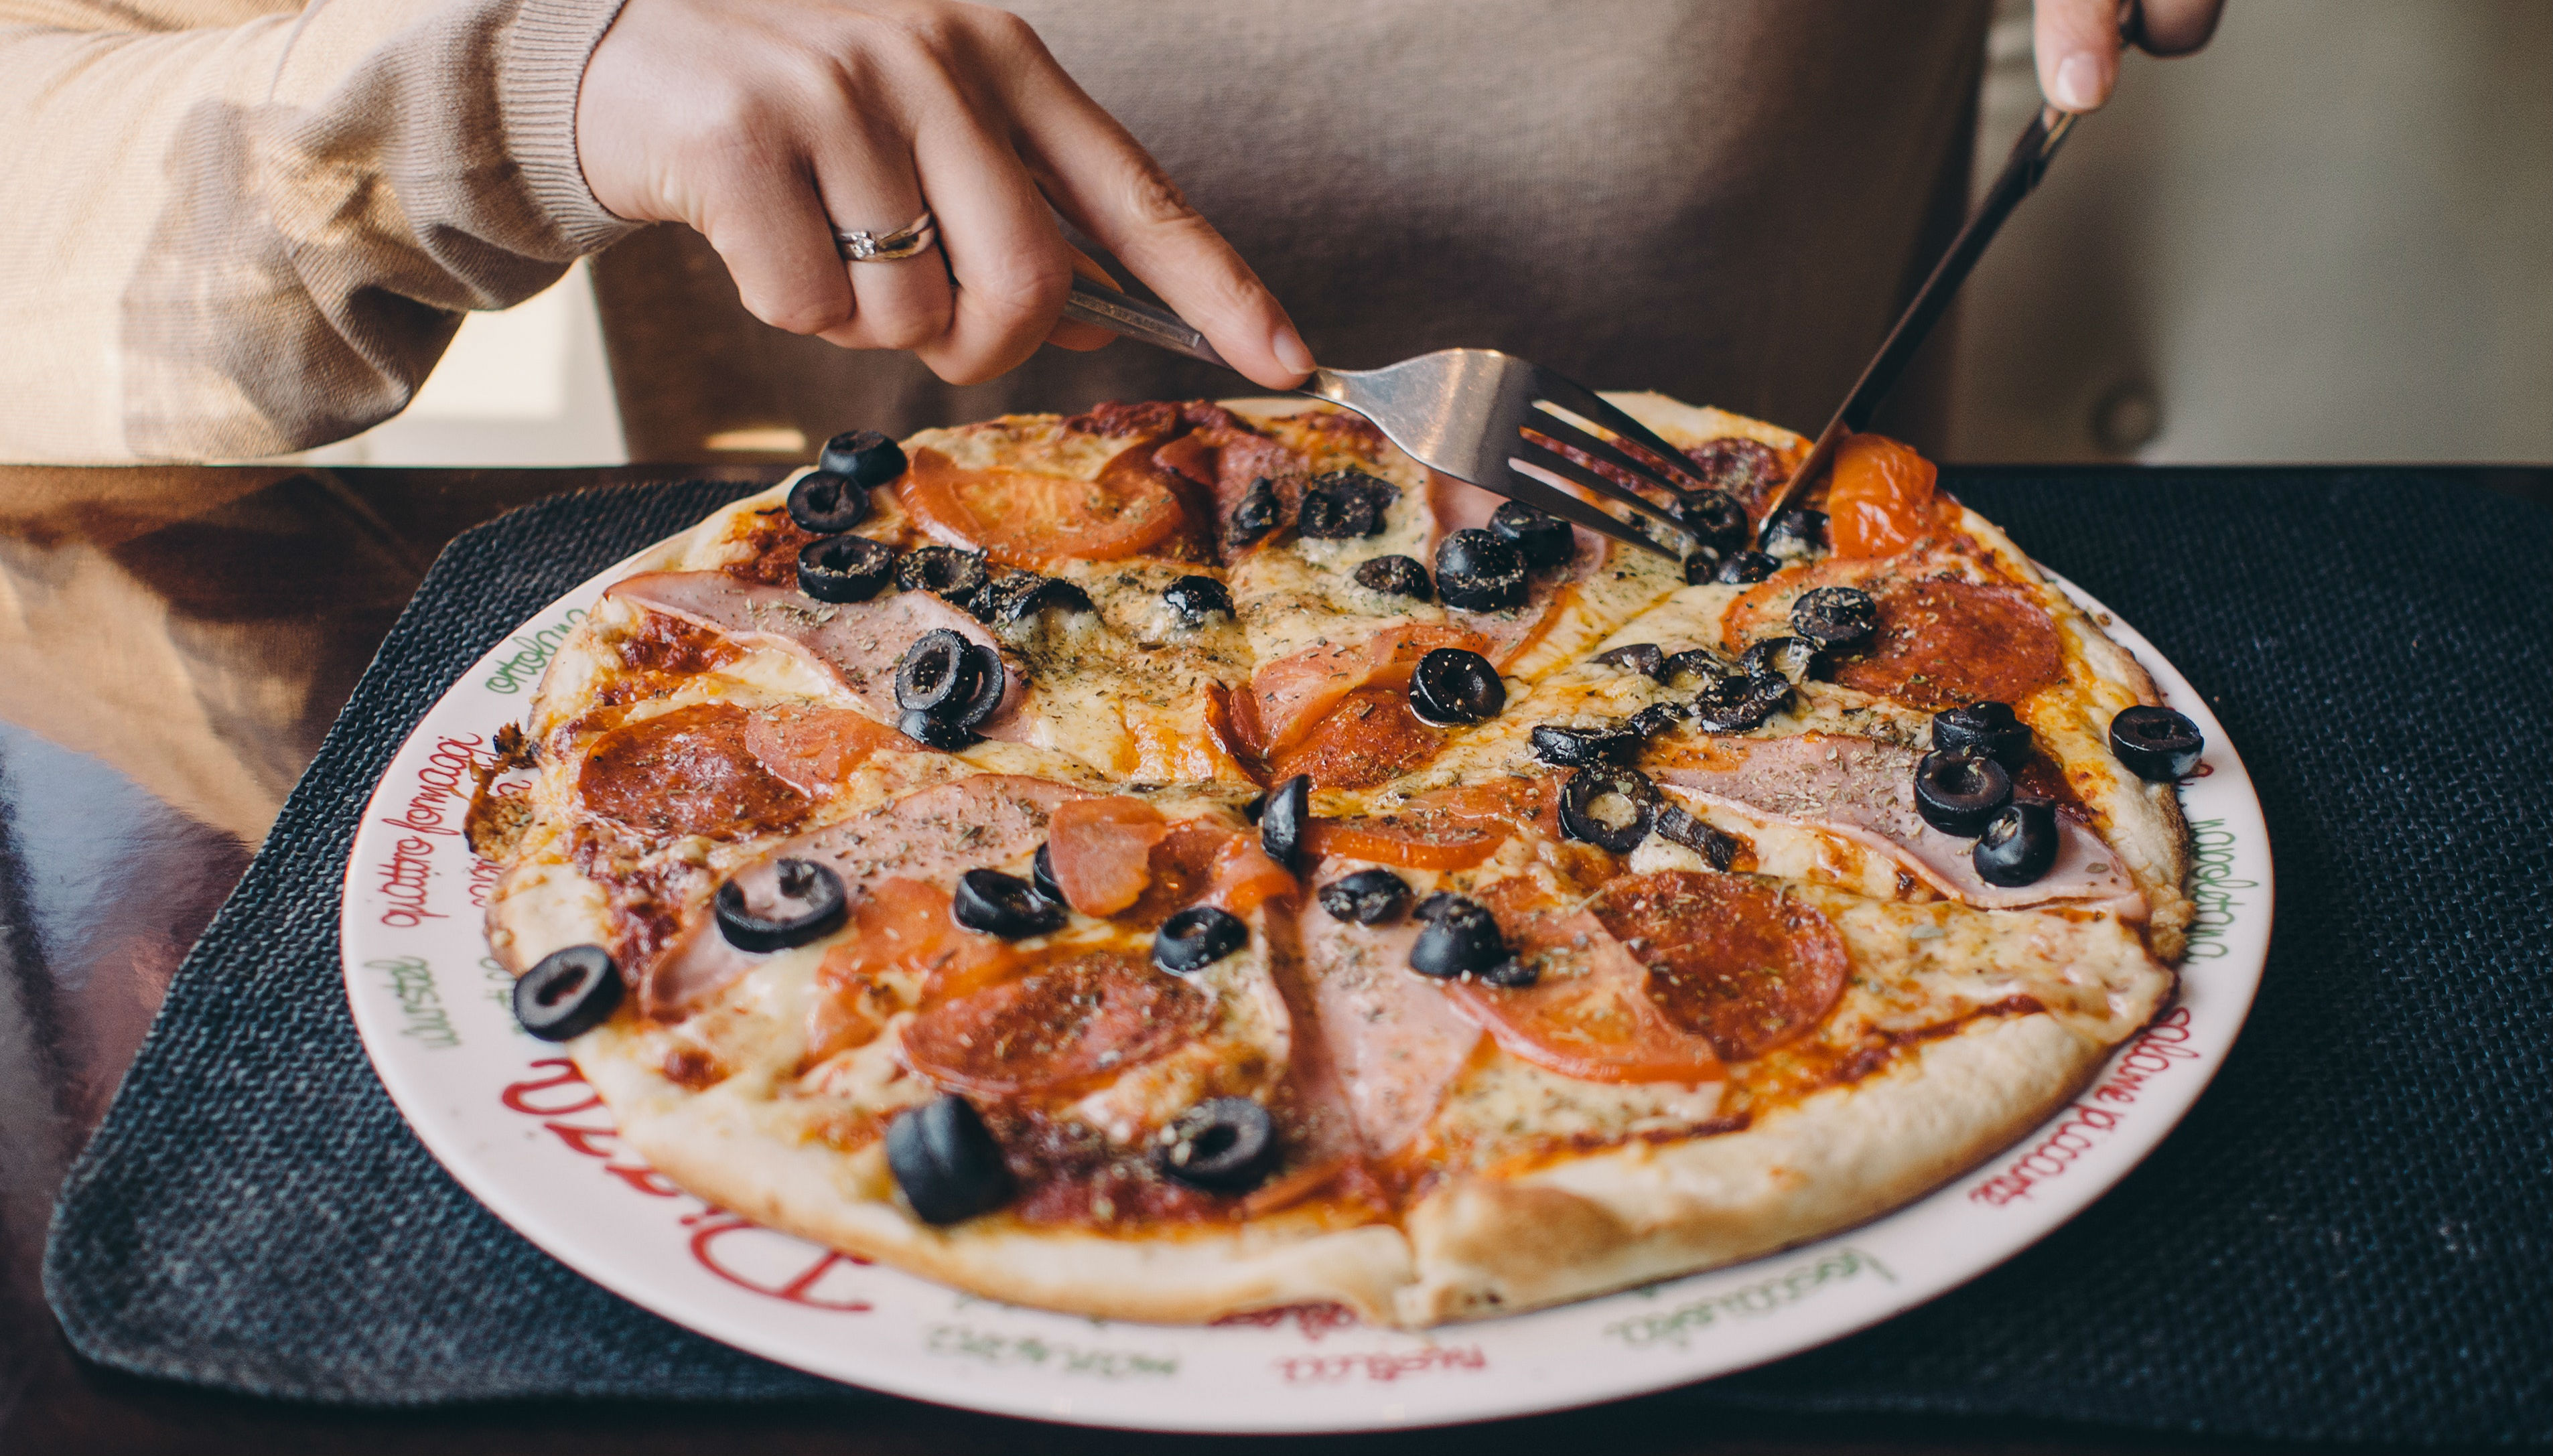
x,y
230,229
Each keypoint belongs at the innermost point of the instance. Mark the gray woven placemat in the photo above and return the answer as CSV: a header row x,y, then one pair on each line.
x,y
2352,1237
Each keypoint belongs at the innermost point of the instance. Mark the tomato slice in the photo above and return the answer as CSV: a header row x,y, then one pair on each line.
x,y
1589,1015
1880,496
1245,878
1411,843
1030,519
1101,851
903,925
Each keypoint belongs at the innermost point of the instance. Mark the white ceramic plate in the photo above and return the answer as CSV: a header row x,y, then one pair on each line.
x,y
510,1119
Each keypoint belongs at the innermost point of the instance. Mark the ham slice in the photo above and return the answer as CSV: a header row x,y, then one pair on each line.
x,y
1865,790
929,836
858,643
1394,1039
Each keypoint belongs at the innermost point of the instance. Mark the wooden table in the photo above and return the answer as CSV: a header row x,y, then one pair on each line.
x,y
173,642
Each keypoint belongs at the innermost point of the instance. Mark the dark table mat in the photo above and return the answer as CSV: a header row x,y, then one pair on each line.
x,y
2350,1238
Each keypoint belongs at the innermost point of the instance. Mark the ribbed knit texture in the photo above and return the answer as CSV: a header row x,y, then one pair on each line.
x,y
545,51
2351,1238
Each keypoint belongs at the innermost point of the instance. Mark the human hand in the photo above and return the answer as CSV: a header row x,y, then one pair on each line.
x,y
764,124
2078,42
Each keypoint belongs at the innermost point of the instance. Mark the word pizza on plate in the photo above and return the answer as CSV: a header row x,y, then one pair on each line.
x,y
1185,860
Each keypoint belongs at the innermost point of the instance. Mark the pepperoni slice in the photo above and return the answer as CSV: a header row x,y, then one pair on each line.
x,y
1294,693
1729,958
1943,641
686,772
1880,498
1589,1014
1101,851
1056,1028
813,750
1030,519
1183,866
1370,737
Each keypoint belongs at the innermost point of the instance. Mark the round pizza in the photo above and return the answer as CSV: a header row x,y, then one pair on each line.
x,y
1185,859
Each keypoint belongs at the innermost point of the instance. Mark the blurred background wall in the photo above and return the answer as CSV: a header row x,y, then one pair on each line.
x,y
2329,237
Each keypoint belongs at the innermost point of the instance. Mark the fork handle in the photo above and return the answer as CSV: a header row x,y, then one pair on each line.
x,y
1130,317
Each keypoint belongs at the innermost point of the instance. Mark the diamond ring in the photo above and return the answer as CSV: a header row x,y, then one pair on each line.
x,y
859,244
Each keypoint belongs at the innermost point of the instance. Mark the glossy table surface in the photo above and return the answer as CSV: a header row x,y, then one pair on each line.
x,y
173,643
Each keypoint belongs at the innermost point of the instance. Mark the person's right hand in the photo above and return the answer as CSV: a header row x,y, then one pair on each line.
x,y
764,124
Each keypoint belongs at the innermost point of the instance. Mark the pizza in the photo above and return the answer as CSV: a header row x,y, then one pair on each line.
x,y
1187,860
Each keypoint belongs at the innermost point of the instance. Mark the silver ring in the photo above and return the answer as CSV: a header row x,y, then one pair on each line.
x,y
859,244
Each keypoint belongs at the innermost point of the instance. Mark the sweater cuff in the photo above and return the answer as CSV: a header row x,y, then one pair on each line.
x,y
546,50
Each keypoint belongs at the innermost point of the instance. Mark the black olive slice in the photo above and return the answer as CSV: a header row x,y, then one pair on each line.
x,y
1693,662
1197,937
1261,510
1787,658
844,568
1797,533
1542,540
1956,794
1284,820
945,572
1737,704
1575,747
813,886
1395,576
1478,572
1716,847
1610,807
1367,897
1987,728
2019,845
1455,685
1042,876
828,504
1195,598
992,680
2155,744
568,993
937,674
1702,567
1745,568
1021,594
1224,1145
1344,504
1656,718
933,733
1645,658
1835,616
946,1161
866,456
1004,905
1513,973
1461,938
1715,519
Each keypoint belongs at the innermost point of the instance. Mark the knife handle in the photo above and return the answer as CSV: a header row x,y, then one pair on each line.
x,y
1130,317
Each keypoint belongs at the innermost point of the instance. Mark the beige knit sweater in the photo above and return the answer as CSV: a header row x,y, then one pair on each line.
x,y
232,228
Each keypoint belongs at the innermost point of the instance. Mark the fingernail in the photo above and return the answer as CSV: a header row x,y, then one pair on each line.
x,y
1288,348
2077,80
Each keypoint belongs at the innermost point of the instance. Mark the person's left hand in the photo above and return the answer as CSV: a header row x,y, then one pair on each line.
x,y
2078,42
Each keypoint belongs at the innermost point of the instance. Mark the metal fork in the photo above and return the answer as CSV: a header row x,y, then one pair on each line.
x,y
1479,415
